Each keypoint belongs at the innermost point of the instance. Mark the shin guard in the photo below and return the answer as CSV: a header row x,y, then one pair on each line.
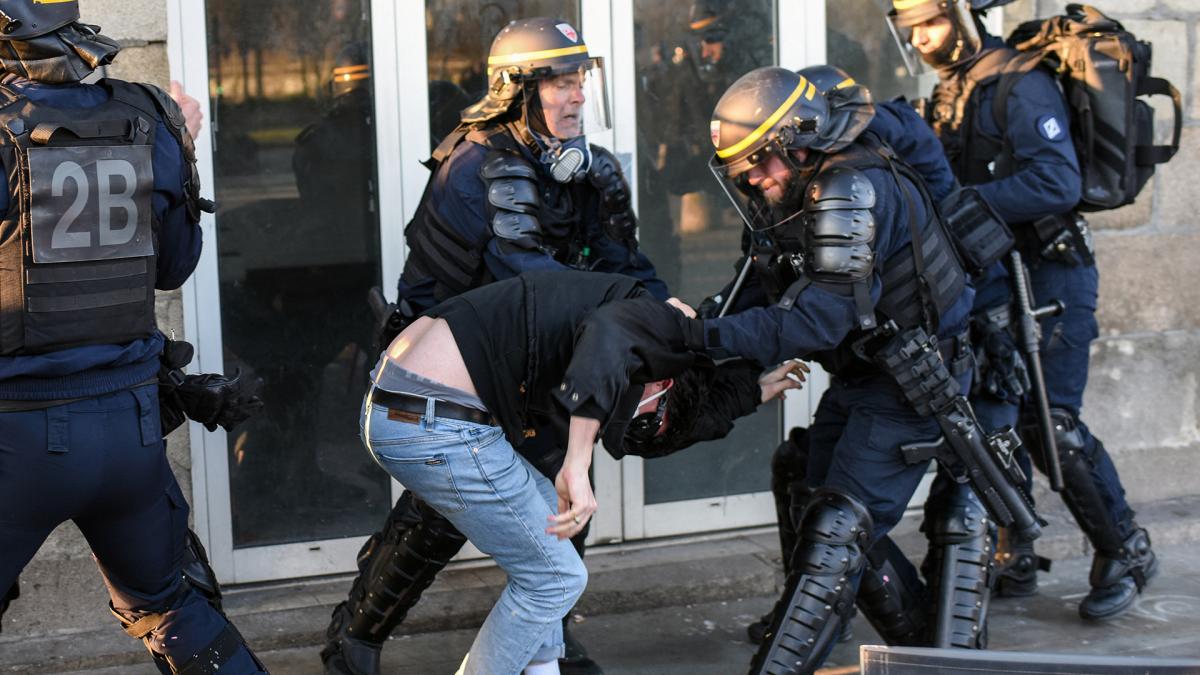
x,y
958,568
395,567
819,594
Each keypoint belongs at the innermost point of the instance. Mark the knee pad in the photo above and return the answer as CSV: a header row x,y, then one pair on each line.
x,y
199,574
894,602
958,568
226,645
819,594
1067,436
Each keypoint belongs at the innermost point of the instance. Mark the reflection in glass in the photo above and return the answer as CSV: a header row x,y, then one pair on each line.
x,y
859,42
687,55
459,35
298,248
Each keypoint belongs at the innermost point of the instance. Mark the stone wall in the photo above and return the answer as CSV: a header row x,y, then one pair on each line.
x,y
1142,394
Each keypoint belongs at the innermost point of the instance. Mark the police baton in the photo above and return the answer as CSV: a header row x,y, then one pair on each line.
x,y
1030,336
737,286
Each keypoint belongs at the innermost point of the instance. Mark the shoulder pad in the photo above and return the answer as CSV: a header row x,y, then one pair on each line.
x,y
521,228
166,105
839,188
497,164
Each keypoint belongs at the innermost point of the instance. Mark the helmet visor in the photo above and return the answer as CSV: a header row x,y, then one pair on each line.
x,y
574,102
764,186
948,28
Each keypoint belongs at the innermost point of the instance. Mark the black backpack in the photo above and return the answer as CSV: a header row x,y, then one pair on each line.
x,y
1103,70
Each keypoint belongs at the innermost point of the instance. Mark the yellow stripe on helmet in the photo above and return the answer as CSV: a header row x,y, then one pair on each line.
x,y
848,82
52,2
766,125
509,59
902,5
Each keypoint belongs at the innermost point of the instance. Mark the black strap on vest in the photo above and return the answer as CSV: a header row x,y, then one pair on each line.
x,y
137,132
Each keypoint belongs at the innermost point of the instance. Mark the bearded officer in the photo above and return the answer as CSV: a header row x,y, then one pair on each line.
x,y
102,208
515,188
1019,156
830,209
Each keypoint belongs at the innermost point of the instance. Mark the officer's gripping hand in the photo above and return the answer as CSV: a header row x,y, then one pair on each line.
x,y
682,306
1005,376
216,400
791,374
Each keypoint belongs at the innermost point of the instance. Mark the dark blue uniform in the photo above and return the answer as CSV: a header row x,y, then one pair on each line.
x,y
458,199
1045,181
862,420
902,128
98,458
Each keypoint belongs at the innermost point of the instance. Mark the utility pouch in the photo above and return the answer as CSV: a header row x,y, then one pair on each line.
x,y
913,360
979,234
1065,238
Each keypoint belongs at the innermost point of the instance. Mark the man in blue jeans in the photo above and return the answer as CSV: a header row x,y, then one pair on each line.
x,y
583,354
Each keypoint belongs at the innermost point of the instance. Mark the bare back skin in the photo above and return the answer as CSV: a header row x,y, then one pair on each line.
x,y
427,348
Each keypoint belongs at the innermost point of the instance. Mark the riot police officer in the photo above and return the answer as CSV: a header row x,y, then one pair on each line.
x,y
101,208
516,187
897,124
830,208
1019,156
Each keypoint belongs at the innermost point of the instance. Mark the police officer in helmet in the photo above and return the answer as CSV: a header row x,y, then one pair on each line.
x,y
830,209
516,187
101,208
1018,154
897,125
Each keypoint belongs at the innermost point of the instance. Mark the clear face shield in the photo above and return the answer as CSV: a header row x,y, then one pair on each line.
x,y
572,105
765,186
933,34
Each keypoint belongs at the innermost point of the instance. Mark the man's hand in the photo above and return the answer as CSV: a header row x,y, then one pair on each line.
x,y
193,118
791,374
576,502
683,307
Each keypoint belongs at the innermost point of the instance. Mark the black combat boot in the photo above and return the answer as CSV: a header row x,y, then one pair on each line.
x,y
1017,570
1117,577
576,661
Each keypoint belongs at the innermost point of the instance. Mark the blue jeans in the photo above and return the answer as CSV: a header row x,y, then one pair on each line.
x,y
471,474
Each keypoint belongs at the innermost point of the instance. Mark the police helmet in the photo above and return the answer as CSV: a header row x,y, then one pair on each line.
x,y
767,112
963,42
851,106
709,19
24,19
827,78
527,50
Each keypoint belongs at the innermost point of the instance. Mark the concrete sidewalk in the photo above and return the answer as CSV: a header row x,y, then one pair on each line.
x,y
679,608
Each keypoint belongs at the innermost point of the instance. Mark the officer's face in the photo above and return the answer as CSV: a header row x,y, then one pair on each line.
x,y
562,102
930,36
772,176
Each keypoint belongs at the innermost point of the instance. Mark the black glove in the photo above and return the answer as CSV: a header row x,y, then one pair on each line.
x,y
215,400
709,307
1005,376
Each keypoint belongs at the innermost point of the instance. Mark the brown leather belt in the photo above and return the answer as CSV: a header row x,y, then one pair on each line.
x,y
410,408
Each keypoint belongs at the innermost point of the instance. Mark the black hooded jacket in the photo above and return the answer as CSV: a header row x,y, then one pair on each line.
x,y
547,345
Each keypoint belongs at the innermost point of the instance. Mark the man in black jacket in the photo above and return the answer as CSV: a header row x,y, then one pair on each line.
x,y
581,355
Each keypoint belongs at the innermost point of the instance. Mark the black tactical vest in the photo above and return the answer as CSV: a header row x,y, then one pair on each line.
x,y
437,250
975,157
78,245
918,284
